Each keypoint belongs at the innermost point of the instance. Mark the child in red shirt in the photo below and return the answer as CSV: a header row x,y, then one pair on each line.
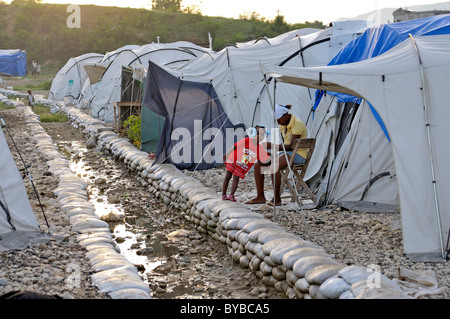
x,y
240,159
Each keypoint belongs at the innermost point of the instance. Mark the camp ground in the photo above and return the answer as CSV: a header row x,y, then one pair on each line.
x,y
354,164
406,88
233,72
238,84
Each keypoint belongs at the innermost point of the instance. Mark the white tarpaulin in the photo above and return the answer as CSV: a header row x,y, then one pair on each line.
x,y
411,95
70,78
16,215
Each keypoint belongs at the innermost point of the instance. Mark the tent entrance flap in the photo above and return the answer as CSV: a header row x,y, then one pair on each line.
x,y
196,129
151,128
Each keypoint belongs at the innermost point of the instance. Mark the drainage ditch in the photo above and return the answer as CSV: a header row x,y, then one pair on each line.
x,y
174,259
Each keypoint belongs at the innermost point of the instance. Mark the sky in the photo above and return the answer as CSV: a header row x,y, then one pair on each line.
x,y
294,11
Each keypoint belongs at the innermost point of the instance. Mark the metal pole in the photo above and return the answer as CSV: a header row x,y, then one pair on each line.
x,y
430,148
289,167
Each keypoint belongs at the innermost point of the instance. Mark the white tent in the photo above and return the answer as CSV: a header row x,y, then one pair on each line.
x,y
95,72
108,89
264,41
240,84
70,78
408,88
353,164
18,224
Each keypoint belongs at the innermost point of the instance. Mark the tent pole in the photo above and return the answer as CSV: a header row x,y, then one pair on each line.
x,y
303,63
236,97
3,124
430,148
289,167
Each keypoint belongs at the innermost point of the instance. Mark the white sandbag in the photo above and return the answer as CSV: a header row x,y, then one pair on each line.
x,y
106,235
353,274
377,281
78,204
121,282
302,285
275,233
285,242
348,294
380,293
291,257
263,223
96,240
333,287
97,246
86,221
81,210
129,293
129,271
110,264
238,213
98,254
318,275
277,253
305,264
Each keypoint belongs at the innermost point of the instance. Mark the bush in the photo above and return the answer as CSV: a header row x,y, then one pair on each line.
x,y
133,130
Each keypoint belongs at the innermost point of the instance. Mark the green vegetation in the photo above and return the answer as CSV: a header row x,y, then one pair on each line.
x,y
46,116
5,107
133,129
42,86
42,30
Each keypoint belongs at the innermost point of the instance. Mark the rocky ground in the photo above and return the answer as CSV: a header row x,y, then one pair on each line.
x,y
191,265
372,240
178,262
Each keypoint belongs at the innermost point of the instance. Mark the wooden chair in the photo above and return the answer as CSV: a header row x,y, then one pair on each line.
x,y
298,171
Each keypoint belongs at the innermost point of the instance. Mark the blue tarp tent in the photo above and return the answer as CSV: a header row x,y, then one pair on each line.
x,y
378,40
13,62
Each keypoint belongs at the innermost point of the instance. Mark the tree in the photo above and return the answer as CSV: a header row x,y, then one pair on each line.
x,y
251,16
279,25
166,5
193,9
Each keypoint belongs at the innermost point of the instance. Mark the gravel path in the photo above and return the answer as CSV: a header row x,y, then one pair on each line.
x,y
372,240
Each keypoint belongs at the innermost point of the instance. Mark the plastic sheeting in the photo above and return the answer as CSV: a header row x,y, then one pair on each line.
x,y
13,62
194,135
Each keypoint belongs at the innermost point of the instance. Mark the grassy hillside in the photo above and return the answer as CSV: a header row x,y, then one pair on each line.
x,y
41,29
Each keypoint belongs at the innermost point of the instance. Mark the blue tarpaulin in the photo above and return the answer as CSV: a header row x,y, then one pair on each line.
x,y
378,40
13,62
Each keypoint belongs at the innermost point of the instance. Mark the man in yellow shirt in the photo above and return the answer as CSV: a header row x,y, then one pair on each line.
x,y
291,128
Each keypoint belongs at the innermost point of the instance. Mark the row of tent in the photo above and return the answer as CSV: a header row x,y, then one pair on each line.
x,y
361,91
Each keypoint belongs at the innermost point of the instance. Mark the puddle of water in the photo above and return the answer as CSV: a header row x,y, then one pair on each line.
x,y
133,229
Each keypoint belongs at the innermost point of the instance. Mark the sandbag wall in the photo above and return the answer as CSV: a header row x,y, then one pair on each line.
x,y
114,274
299,268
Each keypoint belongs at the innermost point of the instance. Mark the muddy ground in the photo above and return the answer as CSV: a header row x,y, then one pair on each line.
x,y
193,265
